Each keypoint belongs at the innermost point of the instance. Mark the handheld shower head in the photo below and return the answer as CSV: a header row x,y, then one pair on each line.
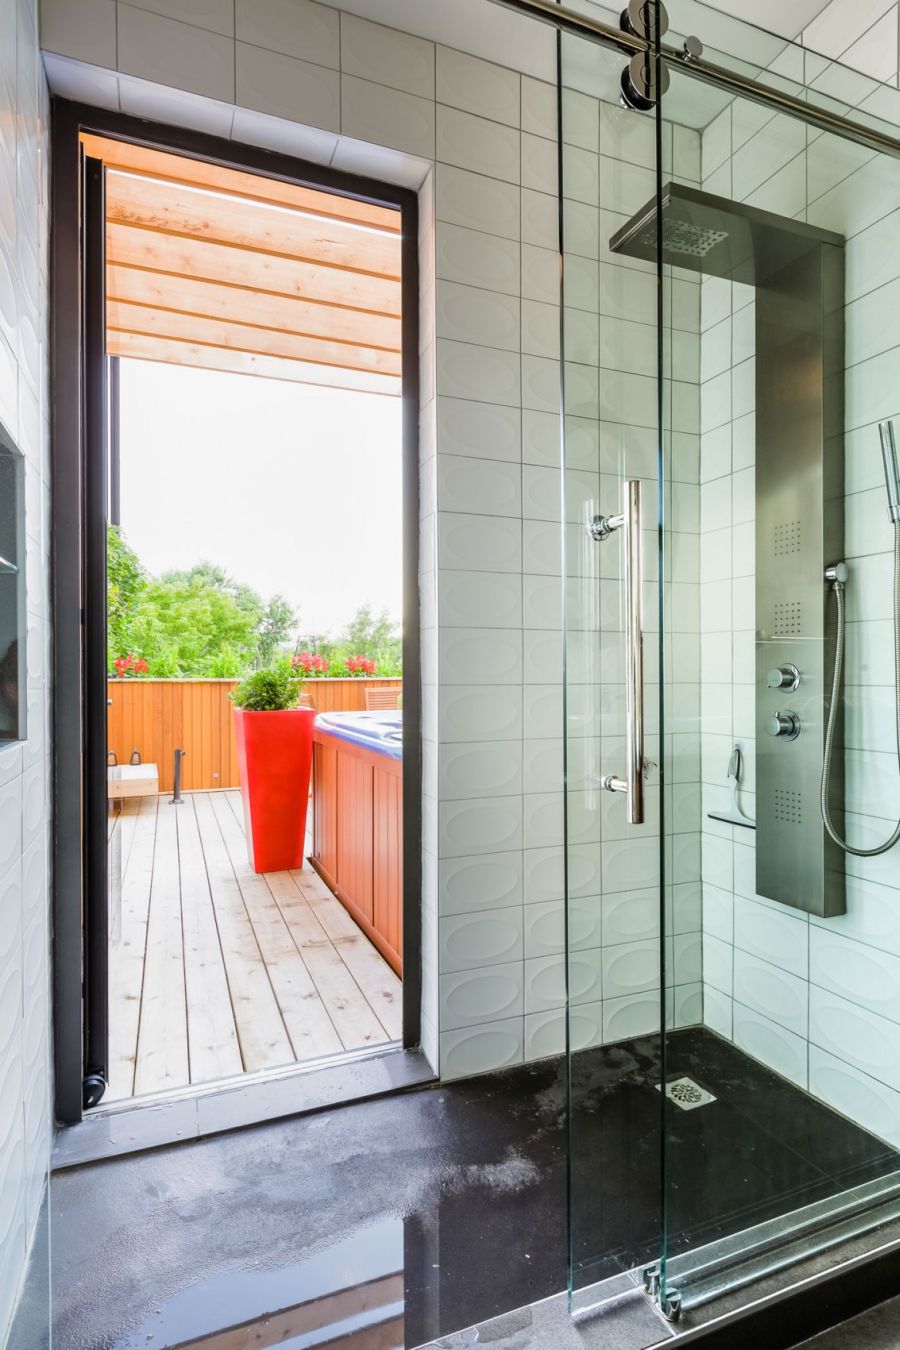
x,y
891,468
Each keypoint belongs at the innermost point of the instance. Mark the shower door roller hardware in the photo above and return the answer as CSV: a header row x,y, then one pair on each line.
x,y
644,81
669,1305
641,17
601,527
784,677
784,724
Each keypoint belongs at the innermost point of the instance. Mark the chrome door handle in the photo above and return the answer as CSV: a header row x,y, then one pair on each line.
x,y
630,522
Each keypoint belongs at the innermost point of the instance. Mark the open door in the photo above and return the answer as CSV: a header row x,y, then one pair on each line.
x,y
180,961
96,489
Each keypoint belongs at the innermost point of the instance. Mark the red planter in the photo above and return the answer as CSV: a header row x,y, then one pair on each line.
x,y
274,752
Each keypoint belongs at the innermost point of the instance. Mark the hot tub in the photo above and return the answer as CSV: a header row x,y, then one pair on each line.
x,y
358,820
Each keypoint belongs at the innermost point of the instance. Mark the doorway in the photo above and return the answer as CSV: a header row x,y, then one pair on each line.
x,y
248,390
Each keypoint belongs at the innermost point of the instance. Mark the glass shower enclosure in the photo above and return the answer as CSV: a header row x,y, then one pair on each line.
x,y
731,292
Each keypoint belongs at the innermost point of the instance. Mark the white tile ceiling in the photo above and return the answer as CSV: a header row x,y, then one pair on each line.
x,y
751,32
485,29
475,26
786,19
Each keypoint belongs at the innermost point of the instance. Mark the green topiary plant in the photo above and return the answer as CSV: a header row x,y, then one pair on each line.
x,y
274,690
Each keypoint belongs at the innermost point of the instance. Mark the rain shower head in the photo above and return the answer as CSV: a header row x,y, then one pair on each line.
x,y
680,238
891,468
717,237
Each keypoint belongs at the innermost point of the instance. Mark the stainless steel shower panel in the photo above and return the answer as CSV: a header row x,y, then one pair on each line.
x,y
799,531
797,273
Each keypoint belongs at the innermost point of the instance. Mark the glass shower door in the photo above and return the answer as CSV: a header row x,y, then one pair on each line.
x,y
611,164
730,293
782,1126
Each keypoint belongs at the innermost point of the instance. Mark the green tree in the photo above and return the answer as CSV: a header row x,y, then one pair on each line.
x,y
193,628
213,575
367,632
126,582
274,620
190,623
275,629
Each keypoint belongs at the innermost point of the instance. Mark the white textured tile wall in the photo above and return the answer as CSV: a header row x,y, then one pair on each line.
x,y
816,999
25,1109
334,87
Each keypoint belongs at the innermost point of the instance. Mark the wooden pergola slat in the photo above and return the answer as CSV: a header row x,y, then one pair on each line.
x,y
242,337
265,274
154,205
144,161
178,353
216,268
239,304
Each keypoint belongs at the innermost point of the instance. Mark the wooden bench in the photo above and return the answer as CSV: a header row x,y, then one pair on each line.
x,y
132,780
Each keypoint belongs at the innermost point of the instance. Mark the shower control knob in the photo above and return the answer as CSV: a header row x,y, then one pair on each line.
x,y
786,724
783,677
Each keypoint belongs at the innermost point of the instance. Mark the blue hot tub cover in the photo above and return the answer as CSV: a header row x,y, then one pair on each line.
x,y
378,731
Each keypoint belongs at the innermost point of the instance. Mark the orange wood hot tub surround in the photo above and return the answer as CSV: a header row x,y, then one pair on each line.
x,y
358,836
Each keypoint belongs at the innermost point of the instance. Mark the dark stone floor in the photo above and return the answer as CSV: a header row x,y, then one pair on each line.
x,y
877,1329
436,1209
762,1149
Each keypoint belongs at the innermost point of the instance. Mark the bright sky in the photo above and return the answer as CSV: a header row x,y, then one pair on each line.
x,y
290,488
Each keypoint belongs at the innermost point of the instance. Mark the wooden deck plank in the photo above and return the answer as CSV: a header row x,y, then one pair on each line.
x,y
215,969
213,1048
128,815
162,1047
261,1031
233,798
118,852
356,1023
127,951
305,1015
382,988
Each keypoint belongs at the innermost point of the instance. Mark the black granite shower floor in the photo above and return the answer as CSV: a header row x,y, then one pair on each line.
x,y
762,1149
438,1208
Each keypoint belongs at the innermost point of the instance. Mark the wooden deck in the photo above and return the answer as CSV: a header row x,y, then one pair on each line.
x,y
216,970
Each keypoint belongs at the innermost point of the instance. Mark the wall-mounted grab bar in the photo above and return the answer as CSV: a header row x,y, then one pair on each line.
x,y
630,522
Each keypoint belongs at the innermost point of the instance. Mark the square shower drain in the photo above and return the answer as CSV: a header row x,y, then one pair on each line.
x,y
687,1094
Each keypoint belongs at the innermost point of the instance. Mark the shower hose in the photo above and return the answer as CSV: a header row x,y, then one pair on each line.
x,y
838,588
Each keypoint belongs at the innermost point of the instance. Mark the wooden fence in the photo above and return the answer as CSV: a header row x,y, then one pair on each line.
x,y
157,717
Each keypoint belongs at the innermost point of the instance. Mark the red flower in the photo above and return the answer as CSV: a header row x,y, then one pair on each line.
x,y
360,665
309,664
133,665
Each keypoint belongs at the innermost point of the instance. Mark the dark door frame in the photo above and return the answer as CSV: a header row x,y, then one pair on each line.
x,y
76,602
